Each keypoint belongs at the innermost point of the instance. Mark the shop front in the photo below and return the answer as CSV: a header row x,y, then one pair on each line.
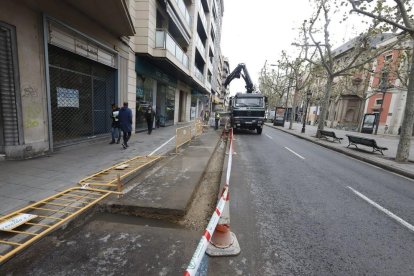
x,y
157,88
82,80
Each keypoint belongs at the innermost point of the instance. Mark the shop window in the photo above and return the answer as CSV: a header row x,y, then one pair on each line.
x,y
144,97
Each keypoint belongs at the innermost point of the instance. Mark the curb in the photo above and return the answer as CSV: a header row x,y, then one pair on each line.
x,y
345,152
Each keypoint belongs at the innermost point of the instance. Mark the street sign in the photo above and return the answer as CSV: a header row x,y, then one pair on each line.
x,y
16,221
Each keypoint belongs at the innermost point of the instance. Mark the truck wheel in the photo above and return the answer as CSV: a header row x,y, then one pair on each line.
x,y
259,130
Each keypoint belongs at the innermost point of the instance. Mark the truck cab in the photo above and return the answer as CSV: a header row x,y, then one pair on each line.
x,y
248,111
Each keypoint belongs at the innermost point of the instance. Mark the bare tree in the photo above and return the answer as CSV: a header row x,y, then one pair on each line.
x,y
272,83
397,17
300,75
359,54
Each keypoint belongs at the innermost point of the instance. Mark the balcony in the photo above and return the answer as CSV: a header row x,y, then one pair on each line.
x,y
164,40
202,14
198,74
184,11
200,47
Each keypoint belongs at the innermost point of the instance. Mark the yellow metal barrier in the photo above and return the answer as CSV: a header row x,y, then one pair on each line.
x,y
108,178
198,126
50,213
182,136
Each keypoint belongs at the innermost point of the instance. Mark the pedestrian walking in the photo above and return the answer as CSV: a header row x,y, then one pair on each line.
x,y
217,119
125,122
149,116
115,127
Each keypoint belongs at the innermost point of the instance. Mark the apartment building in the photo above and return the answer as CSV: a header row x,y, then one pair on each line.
x,y
62,64
177,45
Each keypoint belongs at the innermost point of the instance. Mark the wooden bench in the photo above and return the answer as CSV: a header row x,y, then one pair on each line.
x,y
325,134
354,140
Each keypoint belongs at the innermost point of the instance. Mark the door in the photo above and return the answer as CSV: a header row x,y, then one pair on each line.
x,y
100,110
9,124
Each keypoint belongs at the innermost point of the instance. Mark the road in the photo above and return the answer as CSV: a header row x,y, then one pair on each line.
x,y
300,209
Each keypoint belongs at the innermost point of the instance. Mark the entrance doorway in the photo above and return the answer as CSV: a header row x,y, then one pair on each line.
x,y
82,92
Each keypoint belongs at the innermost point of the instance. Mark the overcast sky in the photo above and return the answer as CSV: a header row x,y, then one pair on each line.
x,y
256,31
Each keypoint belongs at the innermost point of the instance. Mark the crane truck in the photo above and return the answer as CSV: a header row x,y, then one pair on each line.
x,y
247,109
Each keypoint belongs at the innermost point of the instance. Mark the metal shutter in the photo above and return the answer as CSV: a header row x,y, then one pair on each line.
x,y
8,109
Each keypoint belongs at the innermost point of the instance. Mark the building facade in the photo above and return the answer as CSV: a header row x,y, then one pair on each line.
x,y
388,88
62,65
177,46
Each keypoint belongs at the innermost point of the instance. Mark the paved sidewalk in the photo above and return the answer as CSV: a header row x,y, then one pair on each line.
x,y
27,181
385,161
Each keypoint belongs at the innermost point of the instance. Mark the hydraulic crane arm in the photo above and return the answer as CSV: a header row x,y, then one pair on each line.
x,y
237,72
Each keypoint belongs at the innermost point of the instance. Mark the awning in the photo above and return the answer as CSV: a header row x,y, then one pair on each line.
x,y
112,14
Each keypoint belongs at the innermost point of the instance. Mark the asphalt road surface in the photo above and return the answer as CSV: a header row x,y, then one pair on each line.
x,y
300,209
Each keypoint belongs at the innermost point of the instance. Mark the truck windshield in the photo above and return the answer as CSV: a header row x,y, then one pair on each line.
x,y
249,102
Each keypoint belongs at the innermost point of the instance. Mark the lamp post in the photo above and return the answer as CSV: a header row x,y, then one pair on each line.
x,y
384,87
308,97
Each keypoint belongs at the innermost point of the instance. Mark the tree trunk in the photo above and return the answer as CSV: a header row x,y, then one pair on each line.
x,y
324,105
403,150
361,114
293,113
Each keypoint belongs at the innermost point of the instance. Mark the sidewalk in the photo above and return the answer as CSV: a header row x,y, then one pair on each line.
x,y
27,181
385,161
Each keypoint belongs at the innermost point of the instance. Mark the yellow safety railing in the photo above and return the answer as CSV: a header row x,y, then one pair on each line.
x,y
50,213
112,177
182,136
198,126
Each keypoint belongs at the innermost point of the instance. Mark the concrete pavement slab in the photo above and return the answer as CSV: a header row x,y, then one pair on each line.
x,y
169,187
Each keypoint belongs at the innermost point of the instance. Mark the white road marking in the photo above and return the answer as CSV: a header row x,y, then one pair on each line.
x,y
298,155
379,207
269,136
157,149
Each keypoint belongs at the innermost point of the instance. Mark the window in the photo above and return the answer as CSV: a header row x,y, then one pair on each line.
x,y
249,102
378,101
388,58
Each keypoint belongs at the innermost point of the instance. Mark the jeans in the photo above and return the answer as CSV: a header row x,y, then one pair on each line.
x,y
116,133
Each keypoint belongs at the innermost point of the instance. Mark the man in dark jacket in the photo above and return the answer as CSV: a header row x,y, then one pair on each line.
x,y
149,116
116,130
125,121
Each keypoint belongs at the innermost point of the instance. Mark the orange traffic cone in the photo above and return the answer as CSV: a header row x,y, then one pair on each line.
x,y
223,242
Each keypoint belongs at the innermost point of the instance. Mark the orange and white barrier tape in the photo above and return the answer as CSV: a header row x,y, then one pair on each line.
x,y
205,239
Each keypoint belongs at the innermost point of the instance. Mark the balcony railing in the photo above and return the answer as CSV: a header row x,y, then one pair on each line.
x,y
200,46
164,40
202,14
198,74
184,11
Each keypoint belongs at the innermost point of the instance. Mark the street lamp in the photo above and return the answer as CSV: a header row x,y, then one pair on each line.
x,y
308,97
